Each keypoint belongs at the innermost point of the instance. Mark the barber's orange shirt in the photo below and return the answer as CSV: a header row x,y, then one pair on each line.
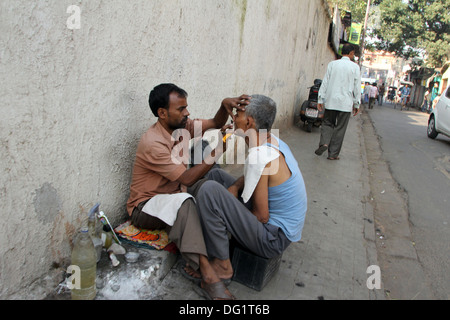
x,y
155,171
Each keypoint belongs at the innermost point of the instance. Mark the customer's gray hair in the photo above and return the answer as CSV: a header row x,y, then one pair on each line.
x,y
264,110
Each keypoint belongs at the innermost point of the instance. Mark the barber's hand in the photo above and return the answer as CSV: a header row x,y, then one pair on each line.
x,y
238,103
320,107
227,131
227,128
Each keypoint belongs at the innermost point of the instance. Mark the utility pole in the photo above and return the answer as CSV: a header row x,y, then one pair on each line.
x,y
361,54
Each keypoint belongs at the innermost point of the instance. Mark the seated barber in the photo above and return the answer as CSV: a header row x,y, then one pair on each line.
x,y
274,202
159,194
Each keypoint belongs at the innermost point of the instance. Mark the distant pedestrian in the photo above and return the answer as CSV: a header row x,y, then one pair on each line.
x,y
426,101
405,93
366,92
340,93
381,91
434,91
373,94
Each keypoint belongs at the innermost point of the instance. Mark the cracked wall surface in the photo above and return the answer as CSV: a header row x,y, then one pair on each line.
x,y
74,101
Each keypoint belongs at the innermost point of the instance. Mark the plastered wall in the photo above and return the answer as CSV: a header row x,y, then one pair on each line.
x,y
74,101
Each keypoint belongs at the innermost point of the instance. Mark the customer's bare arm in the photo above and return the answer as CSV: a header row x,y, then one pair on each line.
x,y
237,187
260,199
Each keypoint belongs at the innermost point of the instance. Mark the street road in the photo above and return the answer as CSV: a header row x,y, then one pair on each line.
x,y
421,167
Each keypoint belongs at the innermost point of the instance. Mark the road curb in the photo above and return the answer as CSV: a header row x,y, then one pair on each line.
x,y
402,274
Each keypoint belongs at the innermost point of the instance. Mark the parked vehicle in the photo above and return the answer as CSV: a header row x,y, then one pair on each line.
x,y
439,121
308,112
391,94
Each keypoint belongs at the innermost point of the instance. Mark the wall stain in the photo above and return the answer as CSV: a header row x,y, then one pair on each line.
x,y
268,6
47,203
242,4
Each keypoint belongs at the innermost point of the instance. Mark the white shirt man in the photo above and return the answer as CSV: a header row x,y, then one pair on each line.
x,y
341,86
340,93
373,92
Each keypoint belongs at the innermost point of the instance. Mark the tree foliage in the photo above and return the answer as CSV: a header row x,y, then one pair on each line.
x,y
408,28
411,27
356,7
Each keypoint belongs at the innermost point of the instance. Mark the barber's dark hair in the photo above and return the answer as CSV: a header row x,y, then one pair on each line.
x,y
159,96
347,48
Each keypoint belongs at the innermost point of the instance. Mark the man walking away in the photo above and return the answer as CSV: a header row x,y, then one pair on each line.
x,y
340,93
426,101
366,93
381,92
373,94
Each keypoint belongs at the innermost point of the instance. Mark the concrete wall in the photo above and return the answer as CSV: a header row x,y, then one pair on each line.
x,y
74,102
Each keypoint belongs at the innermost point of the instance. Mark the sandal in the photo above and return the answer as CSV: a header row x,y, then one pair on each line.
x,y
333,158
214,291
321,149
181,269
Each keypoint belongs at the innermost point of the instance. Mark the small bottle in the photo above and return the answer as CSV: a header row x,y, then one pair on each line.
x,y
107,236
85,257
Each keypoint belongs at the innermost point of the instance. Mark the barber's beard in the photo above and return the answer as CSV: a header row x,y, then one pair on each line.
x,y
180,125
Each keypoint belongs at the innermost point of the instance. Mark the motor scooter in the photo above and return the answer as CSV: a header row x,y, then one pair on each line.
x,y
307,111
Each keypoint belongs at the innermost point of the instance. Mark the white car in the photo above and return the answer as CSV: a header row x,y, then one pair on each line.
x,y
439,121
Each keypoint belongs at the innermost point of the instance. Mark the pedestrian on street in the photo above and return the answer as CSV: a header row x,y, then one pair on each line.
x,y
366,92
435,91
381,92
405,93
426,101
373,94
340,94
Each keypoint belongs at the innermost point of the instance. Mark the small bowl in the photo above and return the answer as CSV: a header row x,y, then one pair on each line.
x,y
131,257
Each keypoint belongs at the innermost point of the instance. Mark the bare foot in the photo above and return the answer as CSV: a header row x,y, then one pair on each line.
x,y
223,268
211,285
192,272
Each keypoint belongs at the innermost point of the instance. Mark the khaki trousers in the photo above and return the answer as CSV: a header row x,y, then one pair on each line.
x,y
186,231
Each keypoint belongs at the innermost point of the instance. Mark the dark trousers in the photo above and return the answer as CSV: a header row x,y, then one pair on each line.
x,y
333,130
221,213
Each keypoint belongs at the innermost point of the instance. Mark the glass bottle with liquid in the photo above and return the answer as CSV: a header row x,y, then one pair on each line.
x,y
84,257
107,236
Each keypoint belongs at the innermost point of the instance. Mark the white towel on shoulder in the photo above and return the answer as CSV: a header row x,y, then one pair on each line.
x,y
257,159
165,206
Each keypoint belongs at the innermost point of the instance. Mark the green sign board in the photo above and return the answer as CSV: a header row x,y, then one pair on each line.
x,y
355,33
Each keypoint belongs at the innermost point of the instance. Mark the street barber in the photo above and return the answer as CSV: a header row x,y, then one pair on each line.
x,y
162,189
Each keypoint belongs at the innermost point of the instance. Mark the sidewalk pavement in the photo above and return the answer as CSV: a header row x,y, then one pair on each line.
x,y
331,260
